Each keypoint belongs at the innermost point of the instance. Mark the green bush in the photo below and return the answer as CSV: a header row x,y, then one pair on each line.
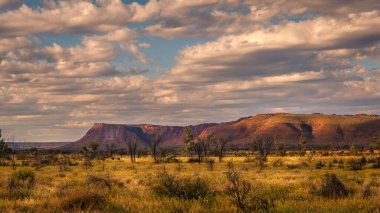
x,y
170,185
24,178
354,164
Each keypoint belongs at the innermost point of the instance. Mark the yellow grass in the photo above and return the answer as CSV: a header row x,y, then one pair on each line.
x,y
287,188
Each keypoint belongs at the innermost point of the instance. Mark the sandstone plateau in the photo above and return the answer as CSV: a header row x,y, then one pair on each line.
x,y
317,129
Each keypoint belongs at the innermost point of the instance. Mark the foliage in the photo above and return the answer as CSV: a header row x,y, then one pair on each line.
x,y
332,187
263,144
188,139
4,149
170,185
355,164
84,201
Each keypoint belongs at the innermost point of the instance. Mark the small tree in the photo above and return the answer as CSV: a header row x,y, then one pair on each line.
x,y
94,148
188,139
239,189
376,143
354,150
263,145
302,145
220,145
110,149
86,155
4,150
154,141
198,148
132,149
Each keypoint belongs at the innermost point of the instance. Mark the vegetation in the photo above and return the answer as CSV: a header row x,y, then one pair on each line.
x,y
56,181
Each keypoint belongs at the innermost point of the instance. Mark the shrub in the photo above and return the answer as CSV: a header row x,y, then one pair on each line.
x,y
193,160
367,192
188,188
210,164
376,163
99,181
85,201
24,178
332,187
319,165
277,163
249,160
239,190
354,164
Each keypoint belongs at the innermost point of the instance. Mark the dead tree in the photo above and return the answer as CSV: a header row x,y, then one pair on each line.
x,y
154,141
132,148
263,145
220,145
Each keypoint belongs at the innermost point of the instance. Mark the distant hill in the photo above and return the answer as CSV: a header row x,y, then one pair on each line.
x,y
317,129
38,145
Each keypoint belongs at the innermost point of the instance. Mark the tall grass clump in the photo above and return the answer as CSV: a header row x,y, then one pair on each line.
x,y
24,178
331,187
170,185
83,201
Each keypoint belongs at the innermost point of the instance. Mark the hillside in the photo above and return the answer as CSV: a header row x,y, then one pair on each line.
x,y
107,134
317,129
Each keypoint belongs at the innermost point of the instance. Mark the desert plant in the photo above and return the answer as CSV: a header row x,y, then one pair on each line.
x,y
240,192
263,145
354,164
376,163
210,164
332,187
367,192
319,165
154,141
238,189
83,201
170,185
22,178
132,148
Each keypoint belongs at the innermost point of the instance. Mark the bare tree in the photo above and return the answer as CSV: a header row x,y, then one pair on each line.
x,y
86,155
154,141
220,144
263,144
132,148
4,150
198,148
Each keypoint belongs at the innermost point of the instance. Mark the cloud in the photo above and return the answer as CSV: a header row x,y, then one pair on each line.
x,y
9,4
259,56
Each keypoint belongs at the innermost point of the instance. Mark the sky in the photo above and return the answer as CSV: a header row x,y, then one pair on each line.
x,y
65,65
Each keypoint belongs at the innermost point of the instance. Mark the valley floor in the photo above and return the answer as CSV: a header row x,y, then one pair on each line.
x,y
287,184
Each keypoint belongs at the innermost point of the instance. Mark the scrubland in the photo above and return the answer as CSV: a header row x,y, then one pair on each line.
x,y
284,184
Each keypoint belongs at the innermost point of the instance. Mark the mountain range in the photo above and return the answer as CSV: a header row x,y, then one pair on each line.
x,y
316,129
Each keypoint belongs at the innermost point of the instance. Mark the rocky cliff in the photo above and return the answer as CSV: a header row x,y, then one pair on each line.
x,y
316,129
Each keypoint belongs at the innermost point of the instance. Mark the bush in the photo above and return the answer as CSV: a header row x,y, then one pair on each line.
x,y
193,160
367,192
319,165
210,164
240,192
376,163
354,164
85,201
188,188
332,187
24,178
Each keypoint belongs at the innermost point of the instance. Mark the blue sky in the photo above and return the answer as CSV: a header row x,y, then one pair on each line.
x,y
67,64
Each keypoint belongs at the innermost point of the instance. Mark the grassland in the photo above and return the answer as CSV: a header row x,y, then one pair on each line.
x,y
286,183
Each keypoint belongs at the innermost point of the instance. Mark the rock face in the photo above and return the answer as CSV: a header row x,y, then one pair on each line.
x,y
316,129
107,134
